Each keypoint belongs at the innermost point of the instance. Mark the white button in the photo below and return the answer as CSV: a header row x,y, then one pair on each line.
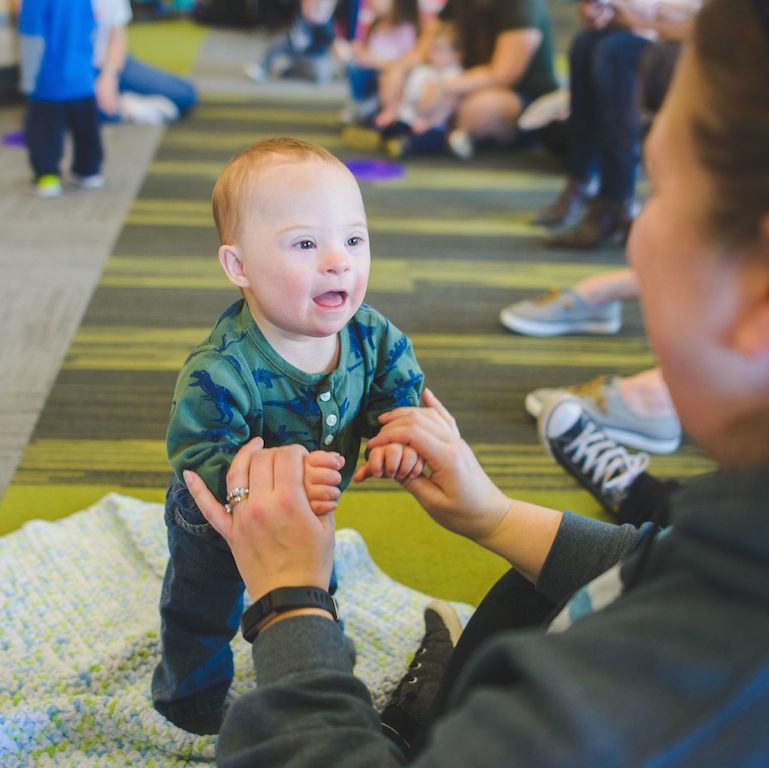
x,y
331,419
328,439
325,396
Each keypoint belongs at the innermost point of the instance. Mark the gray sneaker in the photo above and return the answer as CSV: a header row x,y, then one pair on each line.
x,y
602,400
586,452
560,312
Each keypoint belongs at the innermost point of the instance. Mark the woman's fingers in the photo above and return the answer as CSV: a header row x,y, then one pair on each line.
x,y
212,510
431,401
238,473
427,440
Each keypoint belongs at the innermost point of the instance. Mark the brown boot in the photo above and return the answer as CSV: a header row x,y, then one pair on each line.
x,y
606,221
570,203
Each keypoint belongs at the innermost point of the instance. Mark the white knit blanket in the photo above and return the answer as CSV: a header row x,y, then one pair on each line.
x,y
79,638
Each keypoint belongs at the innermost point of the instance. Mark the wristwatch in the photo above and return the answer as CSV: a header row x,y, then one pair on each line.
x,y
284,599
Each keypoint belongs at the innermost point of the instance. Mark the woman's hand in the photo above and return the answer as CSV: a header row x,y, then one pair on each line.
x,y
457,493
275,537
107,93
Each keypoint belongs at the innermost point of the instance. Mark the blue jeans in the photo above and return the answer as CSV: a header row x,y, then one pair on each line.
x,y
363,82
200,608
47,122
137,77
605,122
432,141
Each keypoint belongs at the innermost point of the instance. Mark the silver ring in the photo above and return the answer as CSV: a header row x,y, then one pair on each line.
x,y
234,496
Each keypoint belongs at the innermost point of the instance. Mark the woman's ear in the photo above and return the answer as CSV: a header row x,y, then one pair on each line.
x,y
232,265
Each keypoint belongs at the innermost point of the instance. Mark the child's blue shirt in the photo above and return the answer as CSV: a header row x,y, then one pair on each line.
x,y
57,49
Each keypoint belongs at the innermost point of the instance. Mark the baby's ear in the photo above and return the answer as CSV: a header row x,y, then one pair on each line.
x,y
232,265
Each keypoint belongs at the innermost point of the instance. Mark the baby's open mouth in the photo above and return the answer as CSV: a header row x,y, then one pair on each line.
x,y
331,299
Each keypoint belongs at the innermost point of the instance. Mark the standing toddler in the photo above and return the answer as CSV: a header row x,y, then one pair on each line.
x,y
299,359
57,74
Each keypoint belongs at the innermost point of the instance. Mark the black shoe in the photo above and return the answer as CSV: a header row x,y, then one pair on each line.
x,y
579,445
570,203
410,704
606,222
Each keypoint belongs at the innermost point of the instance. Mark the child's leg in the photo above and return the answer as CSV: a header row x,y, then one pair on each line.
x,y
430,141
83,120
200,608
44,136
363,81
278,50
141,78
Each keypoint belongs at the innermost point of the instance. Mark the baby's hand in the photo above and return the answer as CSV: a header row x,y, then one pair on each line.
x,y
394,460
321,480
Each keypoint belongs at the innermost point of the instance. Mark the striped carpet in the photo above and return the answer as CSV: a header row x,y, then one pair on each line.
x,y
450,246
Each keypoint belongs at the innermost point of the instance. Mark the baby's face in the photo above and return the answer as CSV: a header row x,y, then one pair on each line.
x,y
305,249
317,11
443,53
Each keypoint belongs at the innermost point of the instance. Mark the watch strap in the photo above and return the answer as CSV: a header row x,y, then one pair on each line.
x,y
284,599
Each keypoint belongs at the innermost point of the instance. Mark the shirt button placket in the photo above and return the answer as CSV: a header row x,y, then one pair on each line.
x,y
330,419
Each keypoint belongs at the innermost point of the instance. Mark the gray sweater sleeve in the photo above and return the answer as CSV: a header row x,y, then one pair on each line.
x,y
584,549
310,710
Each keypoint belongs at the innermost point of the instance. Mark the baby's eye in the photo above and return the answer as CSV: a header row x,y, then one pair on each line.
x,y
354,241
305,244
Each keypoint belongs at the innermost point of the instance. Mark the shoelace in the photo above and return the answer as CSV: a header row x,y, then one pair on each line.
x,y
593,389
553,294
612,466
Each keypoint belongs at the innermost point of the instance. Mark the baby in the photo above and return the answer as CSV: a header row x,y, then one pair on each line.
x,y
305,50
419,121
299,359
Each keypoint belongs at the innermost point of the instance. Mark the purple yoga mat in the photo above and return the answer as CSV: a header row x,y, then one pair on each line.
x,y
14,139
375,170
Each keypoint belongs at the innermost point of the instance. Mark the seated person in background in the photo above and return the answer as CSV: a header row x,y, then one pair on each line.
x,y
126,88
605,122
306,50
391,33
633,410
412,126
300,359
507,49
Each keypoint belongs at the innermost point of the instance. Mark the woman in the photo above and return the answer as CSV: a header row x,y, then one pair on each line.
x,y
660,661
507,50
605,122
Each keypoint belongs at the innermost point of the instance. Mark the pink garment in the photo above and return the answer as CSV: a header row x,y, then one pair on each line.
x,y
388,43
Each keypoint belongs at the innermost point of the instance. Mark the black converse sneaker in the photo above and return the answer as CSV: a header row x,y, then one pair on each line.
x,y
579,445
410,704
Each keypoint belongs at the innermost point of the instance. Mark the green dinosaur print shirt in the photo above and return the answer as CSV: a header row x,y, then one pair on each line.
x,y
234,387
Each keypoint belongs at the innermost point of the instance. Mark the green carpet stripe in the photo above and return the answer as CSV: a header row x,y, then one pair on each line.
x,y
415,178
387,273
221,115
188,213
232,142
172,45
165,349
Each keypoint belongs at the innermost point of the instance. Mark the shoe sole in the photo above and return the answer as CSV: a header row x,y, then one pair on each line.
x,y
449,617
534,328
625,437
